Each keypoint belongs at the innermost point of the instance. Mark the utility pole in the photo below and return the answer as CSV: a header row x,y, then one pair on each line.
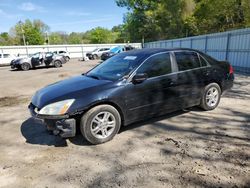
x,y
24,41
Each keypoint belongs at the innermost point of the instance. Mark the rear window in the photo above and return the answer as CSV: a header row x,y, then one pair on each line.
x,y
203,61
210,59
6,55
187,60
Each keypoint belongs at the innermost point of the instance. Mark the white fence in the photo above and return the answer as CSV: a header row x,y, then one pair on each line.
x,y
76,51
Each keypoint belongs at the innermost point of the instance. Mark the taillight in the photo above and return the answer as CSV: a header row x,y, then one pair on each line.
x,y
231,70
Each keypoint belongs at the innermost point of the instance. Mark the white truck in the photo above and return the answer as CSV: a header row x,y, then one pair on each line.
x,y
5,59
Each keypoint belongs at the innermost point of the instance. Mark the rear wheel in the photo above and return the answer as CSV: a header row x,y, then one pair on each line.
x,y
58,63
211,97
100,124
25,66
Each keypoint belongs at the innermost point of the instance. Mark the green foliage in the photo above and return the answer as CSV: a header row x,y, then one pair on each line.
x,y
164,19
5,39
146,19
100,35
34,32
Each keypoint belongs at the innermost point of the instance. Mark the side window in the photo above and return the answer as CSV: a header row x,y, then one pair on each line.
x,y
61,52
187,60
157,65
0,55
203,61
49,54
36,55
6,55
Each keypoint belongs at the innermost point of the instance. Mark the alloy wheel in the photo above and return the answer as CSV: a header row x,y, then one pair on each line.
x,y
103,125
212,96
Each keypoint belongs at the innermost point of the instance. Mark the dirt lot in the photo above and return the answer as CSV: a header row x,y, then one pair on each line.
x,y
183,149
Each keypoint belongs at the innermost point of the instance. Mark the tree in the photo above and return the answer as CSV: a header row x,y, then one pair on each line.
x,y
5,39
213,16
75,38
55,38
153,19
34,32
165,19
100,35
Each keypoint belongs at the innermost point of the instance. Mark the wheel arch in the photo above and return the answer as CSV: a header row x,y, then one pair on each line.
x,y
216,82
111,103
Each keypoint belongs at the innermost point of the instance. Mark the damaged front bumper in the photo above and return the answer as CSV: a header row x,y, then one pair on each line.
x,y
61,125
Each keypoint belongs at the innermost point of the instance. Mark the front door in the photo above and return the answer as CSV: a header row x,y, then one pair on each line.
x,y
156,95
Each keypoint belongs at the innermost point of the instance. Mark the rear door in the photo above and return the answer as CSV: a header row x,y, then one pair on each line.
x,y
35,59
48,58
190,77
156,95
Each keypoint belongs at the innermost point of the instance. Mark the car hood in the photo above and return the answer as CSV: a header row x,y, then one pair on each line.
x,y
21,59
66,89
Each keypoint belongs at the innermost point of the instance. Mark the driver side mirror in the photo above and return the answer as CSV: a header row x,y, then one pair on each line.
x,y
139,78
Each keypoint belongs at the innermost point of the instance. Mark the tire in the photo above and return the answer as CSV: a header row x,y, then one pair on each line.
x,y
25,66
57,63
95,56
67,58
93,124
210,97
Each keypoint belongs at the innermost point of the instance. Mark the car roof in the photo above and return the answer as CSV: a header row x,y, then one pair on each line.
x,y
151,51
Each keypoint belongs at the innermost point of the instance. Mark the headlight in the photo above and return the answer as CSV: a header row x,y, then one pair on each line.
x,y
57,108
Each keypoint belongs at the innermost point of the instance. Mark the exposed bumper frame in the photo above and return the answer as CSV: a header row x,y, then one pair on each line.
x,y
64,126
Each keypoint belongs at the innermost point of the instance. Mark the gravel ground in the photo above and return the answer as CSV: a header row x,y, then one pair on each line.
x,y
183,149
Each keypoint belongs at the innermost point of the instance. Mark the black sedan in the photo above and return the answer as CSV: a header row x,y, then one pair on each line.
x,y
130,87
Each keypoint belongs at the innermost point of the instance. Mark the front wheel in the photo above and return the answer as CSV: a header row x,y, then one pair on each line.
x,y
100,124
25,66
211,96
58,64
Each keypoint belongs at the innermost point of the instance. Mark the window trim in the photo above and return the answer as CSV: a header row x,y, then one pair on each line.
x,y
174,65
135,71
198,54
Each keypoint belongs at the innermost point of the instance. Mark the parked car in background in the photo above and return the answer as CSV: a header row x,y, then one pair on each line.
x,y
113,51
63,53
116,50
96,53
5,59
130,87
38,59
128,48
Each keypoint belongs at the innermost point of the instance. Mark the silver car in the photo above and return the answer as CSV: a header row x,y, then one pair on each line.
x,y
38,59
97,53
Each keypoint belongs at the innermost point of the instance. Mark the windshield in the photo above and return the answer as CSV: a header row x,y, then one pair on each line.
x,y
115,49
115,68
95,49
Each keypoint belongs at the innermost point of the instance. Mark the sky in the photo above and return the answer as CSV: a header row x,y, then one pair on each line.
x,y
62,15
